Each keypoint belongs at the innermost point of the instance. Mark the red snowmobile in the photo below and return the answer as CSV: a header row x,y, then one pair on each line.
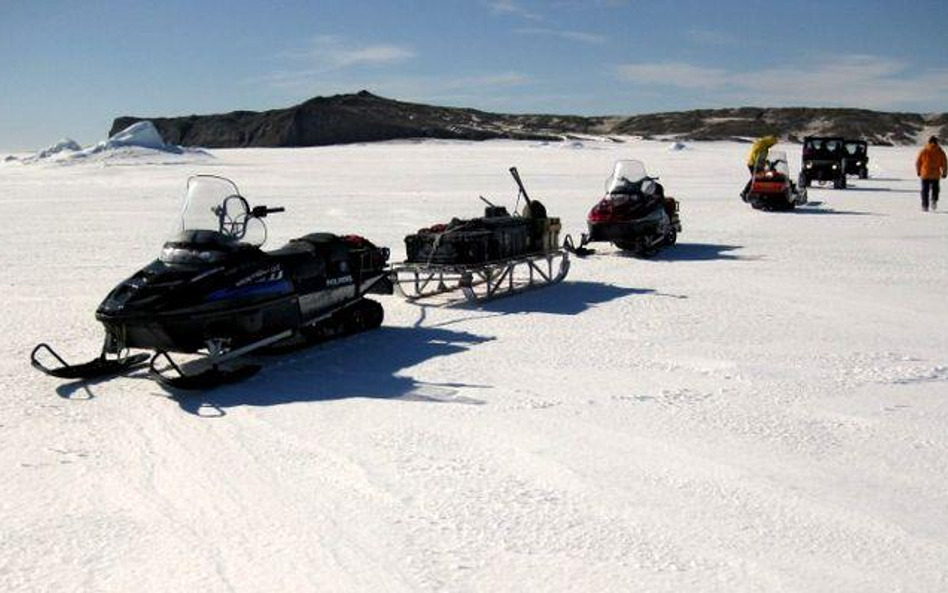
x,y
635,214
771,187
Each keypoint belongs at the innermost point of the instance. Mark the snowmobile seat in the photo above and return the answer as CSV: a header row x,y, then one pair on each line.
x,y
293,250
331,248
319,238
303,263
329,245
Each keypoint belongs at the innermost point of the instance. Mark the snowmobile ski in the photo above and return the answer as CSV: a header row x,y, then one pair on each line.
x,y
578,250
208,372
184,380
95,368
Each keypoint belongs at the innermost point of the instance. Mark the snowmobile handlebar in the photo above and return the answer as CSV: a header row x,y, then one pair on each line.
x,y
263,211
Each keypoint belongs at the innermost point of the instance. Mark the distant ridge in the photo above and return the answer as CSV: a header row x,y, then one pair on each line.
x,y
364,117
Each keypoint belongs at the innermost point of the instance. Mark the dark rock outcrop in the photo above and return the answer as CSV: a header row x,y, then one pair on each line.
x,y
364,117
341,119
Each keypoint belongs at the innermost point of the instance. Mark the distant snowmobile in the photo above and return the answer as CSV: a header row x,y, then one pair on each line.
x,y
213,291
484,258
771,187
635,214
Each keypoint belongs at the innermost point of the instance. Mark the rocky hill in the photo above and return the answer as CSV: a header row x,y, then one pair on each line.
x,y
364,117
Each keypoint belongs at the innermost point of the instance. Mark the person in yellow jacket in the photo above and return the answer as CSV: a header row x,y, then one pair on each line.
x,y
757,158
931,165
758,153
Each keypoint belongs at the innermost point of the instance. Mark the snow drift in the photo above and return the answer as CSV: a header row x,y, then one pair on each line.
x,y
64,146
140,143
143,134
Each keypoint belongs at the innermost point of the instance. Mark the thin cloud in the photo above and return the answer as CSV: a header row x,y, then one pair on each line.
x,y
866,81
678,74
580,36
330,52
514,8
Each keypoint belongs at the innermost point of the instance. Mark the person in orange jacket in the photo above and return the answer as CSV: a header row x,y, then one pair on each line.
x,y
931,166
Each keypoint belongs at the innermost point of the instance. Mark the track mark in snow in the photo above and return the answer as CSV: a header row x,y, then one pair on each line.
x,y
524,399
465,514
668,397
889,369
703,365
916,375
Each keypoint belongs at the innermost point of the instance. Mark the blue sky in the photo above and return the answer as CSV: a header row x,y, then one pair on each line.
x,y
68,68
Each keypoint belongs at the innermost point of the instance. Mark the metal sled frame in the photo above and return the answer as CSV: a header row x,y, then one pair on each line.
x,y
481,282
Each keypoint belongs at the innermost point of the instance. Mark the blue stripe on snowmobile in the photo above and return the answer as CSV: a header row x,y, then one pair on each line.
x,y
273,287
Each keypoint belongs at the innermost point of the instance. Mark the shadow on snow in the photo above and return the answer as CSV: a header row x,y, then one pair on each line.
x,y
371,365
883,189
829,211
565,298
367,365
699,252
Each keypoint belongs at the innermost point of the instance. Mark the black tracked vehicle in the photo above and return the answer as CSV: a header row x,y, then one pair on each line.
x,y
215,293
824,161
857,158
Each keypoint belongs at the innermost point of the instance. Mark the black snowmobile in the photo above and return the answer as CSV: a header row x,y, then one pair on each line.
x,y
635,214
213,291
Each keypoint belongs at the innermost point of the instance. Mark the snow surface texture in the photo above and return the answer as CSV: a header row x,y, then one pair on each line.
x,y
138,144
763,407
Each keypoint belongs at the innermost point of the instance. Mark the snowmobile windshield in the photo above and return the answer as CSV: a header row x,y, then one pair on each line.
x,y
629,178
855,148
823,148
214,204
777,163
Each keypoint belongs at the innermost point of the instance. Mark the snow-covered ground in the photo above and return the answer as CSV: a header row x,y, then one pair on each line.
x,y
763,407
